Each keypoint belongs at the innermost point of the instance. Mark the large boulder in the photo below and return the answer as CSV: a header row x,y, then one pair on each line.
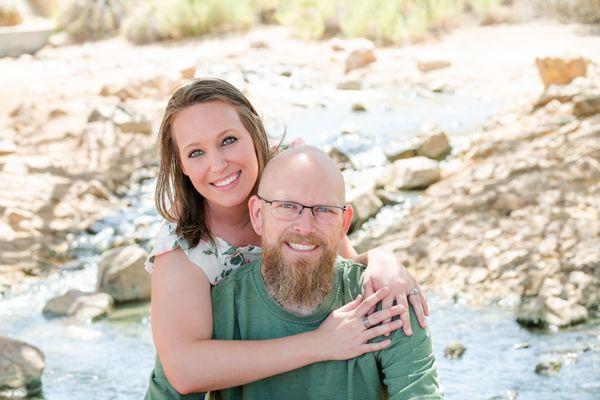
x,y
415,173
81,305
121,274
365,205
21,367
435,145
543,311
561,71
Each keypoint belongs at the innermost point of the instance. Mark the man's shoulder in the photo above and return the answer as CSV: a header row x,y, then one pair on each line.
x,y
350,278
351,271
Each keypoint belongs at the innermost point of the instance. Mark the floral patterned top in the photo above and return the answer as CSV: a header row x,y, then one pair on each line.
x,y
216,262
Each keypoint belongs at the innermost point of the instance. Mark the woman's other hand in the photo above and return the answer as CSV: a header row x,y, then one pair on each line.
x,y
384,270
347,330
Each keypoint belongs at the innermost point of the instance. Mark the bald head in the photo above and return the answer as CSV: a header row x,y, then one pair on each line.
x,y
307,171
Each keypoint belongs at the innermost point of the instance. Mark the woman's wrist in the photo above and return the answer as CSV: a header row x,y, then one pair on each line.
x,y
314,346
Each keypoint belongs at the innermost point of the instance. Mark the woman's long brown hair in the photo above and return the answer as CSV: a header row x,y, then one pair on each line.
x,y
176,198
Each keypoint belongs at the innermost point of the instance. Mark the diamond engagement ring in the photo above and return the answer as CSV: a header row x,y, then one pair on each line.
x,y
414,290
365,321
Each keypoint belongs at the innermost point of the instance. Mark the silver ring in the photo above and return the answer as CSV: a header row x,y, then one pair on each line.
x,y
414,290
365,321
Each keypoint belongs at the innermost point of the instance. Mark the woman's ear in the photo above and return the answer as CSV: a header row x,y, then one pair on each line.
x,y
347,218
254,208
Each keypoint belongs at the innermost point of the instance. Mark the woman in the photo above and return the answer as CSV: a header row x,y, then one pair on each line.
x,y
213,148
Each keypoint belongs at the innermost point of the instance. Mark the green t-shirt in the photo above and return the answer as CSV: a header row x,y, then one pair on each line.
x,y
243,310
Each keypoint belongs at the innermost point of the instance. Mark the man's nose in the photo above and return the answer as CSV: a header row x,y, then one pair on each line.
x,y
305,223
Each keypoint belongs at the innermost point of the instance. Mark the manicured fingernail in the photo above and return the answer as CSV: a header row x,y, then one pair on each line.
x,y
387,334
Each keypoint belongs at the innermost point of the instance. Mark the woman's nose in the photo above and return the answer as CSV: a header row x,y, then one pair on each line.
x,y
217,163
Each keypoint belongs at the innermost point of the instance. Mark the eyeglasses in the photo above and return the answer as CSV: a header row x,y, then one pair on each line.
x,y
290,211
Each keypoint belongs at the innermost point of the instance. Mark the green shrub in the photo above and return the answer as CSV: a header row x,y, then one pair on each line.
x,y
384,21
91,19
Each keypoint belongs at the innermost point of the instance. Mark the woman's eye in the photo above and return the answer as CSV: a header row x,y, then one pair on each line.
x,y
229,139
195,153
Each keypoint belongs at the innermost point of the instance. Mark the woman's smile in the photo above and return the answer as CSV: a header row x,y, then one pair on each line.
x,y
227,182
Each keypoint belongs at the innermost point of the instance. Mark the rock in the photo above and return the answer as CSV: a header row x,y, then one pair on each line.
x,y
365,204
9,14
59,39
541,312
84,306
359,58
560,71
454,350
550,367
259,44
336,44
415,173
508,260
432,65
341,159
508,202
562,94
390,198
478,275
349,84
21,367
131,122
358,107
399,151
586,105
7,147
435,146
188,73
508,395
121,274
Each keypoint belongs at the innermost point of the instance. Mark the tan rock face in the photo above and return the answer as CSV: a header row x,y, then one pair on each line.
x,y
561,71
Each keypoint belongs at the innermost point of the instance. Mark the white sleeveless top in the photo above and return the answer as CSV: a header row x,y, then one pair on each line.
x,y
216,262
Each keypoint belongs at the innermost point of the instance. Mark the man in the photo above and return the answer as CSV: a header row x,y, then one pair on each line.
x,y
300,214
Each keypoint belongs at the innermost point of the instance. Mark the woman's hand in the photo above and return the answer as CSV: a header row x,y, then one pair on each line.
x,y
383,270
345,333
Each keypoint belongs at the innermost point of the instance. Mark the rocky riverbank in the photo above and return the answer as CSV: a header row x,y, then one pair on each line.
x,y
516,220
76,128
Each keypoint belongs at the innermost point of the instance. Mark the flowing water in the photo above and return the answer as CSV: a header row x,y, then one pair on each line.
x,y
112,358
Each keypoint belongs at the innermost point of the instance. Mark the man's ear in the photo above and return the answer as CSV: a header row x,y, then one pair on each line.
x,y
347,218
255,210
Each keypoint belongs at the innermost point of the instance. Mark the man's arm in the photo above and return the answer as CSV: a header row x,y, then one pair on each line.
x,y
409,367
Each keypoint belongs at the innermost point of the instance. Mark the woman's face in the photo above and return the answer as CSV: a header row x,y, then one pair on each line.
x,y
217,153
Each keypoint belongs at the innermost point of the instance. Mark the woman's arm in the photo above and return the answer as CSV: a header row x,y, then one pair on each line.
x,y
384,270
182,331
